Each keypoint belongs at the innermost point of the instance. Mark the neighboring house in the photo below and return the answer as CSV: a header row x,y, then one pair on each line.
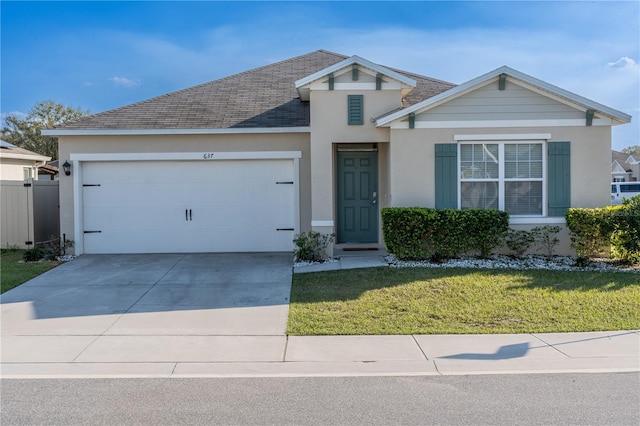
x,y
322,142
19,164
49,171
624,167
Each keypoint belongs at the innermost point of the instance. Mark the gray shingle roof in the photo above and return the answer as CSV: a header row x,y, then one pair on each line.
x,y
258,98
9,148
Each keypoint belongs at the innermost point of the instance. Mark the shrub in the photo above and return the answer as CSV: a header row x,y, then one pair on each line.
x,y
425,233
33,254
625,237
54,247
407,231
312,246
592,230
449,238
486,229
546,238
589,230
519,242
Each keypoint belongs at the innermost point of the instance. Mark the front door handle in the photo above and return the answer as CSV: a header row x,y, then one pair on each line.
x,y
186,214
190,217
374,197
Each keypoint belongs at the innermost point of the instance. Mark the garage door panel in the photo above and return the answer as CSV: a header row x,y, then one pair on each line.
x,y
129,217
153,195
120,241
238,216
236,239
233,205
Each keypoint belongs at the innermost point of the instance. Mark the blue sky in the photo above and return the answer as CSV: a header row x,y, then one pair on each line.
x,y
102,55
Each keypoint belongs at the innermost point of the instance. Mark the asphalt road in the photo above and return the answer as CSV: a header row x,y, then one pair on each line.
x,y
584,399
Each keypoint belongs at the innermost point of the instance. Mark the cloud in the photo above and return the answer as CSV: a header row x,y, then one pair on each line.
x,y
18,114
124,82
624,62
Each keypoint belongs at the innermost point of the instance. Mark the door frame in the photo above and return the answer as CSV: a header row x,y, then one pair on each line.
x,y
364,148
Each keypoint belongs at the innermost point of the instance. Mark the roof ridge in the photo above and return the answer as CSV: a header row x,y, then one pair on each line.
x,y
197,86
420,76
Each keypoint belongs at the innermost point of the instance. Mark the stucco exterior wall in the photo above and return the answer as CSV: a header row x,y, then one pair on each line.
x,y
182,143
329,126
412,165
412,162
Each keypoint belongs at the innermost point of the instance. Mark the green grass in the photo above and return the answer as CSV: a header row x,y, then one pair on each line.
x,y
13,272
461,301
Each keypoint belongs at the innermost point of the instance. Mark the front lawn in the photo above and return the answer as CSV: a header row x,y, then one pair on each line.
x,y
14,272
462,301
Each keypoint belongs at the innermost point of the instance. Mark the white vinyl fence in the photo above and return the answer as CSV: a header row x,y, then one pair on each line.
x,y
29,212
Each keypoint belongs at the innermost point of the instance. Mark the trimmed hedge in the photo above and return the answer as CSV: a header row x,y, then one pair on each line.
x,y
406,231
625,239
416,233
592,231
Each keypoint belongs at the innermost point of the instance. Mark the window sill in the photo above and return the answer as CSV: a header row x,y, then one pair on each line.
x,y
535,220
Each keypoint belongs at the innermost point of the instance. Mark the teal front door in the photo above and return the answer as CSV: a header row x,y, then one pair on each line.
x,y
357,201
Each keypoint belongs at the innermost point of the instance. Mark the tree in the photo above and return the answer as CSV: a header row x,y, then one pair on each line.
x,y
632,150
27,132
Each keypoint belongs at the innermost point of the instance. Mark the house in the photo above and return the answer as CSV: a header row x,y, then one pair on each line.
x,y
624,167
322,142
49,171
19,164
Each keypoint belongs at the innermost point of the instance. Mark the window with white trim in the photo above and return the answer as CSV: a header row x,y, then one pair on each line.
x,y
27,173
501,175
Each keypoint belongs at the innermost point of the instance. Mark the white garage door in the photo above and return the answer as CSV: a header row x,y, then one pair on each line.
x,y
188,206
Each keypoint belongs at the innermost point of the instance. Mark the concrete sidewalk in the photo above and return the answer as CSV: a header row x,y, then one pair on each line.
x,y
345,259
295,356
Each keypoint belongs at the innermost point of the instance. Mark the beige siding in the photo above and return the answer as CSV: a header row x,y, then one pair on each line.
x,y
363,77
182,143
16,214
489,103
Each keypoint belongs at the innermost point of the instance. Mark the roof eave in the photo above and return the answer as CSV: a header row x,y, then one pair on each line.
x,y
350,61
28,157
223,131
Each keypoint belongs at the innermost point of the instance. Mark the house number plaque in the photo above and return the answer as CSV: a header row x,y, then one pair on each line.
x,y
208,155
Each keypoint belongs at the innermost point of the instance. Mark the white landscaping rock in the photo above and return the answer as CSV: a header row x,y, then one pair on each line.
x,y
557,263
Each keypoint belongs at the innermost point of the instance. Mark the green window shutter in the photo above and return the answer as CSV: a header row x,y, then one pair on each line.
x,y
355,109
559,178
446,177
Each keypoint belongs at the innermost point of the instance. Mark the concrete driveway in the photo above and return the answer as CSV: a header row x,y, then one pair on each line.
x,y
151,308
